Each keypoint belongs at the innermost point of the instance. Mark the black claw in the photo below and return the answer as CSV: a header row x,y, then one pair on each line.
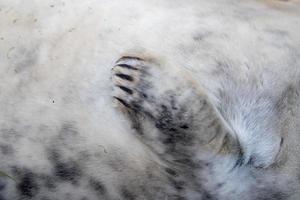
x,y
124,76
129,91
127,66
128,57
122,102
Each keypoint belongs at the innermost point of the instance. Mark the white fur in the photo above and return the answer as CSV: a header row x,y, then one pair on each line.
x,y
56,57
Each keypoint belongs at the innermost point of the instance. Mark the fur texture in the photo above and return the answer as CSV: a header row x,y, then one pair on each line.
x,y
149,99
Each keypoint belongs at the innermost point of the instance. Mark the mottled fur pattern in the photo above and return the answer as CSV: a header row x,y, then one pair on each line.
x,y
149,99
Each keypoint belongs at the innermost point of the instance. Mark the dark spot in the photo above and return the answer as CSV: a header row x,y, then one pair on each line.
x,y
72,29
125,76
126,194
277,32
65,170
97,186
27,58
169,140
289,98
218,129
207,164
240,159
165,120
173,102
201,36
125,89
127,66
176,139
144,95
207,196
6,149
219,185
9,133
68,129
171,171
177,184
270,194
2,185
28,186
185,126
